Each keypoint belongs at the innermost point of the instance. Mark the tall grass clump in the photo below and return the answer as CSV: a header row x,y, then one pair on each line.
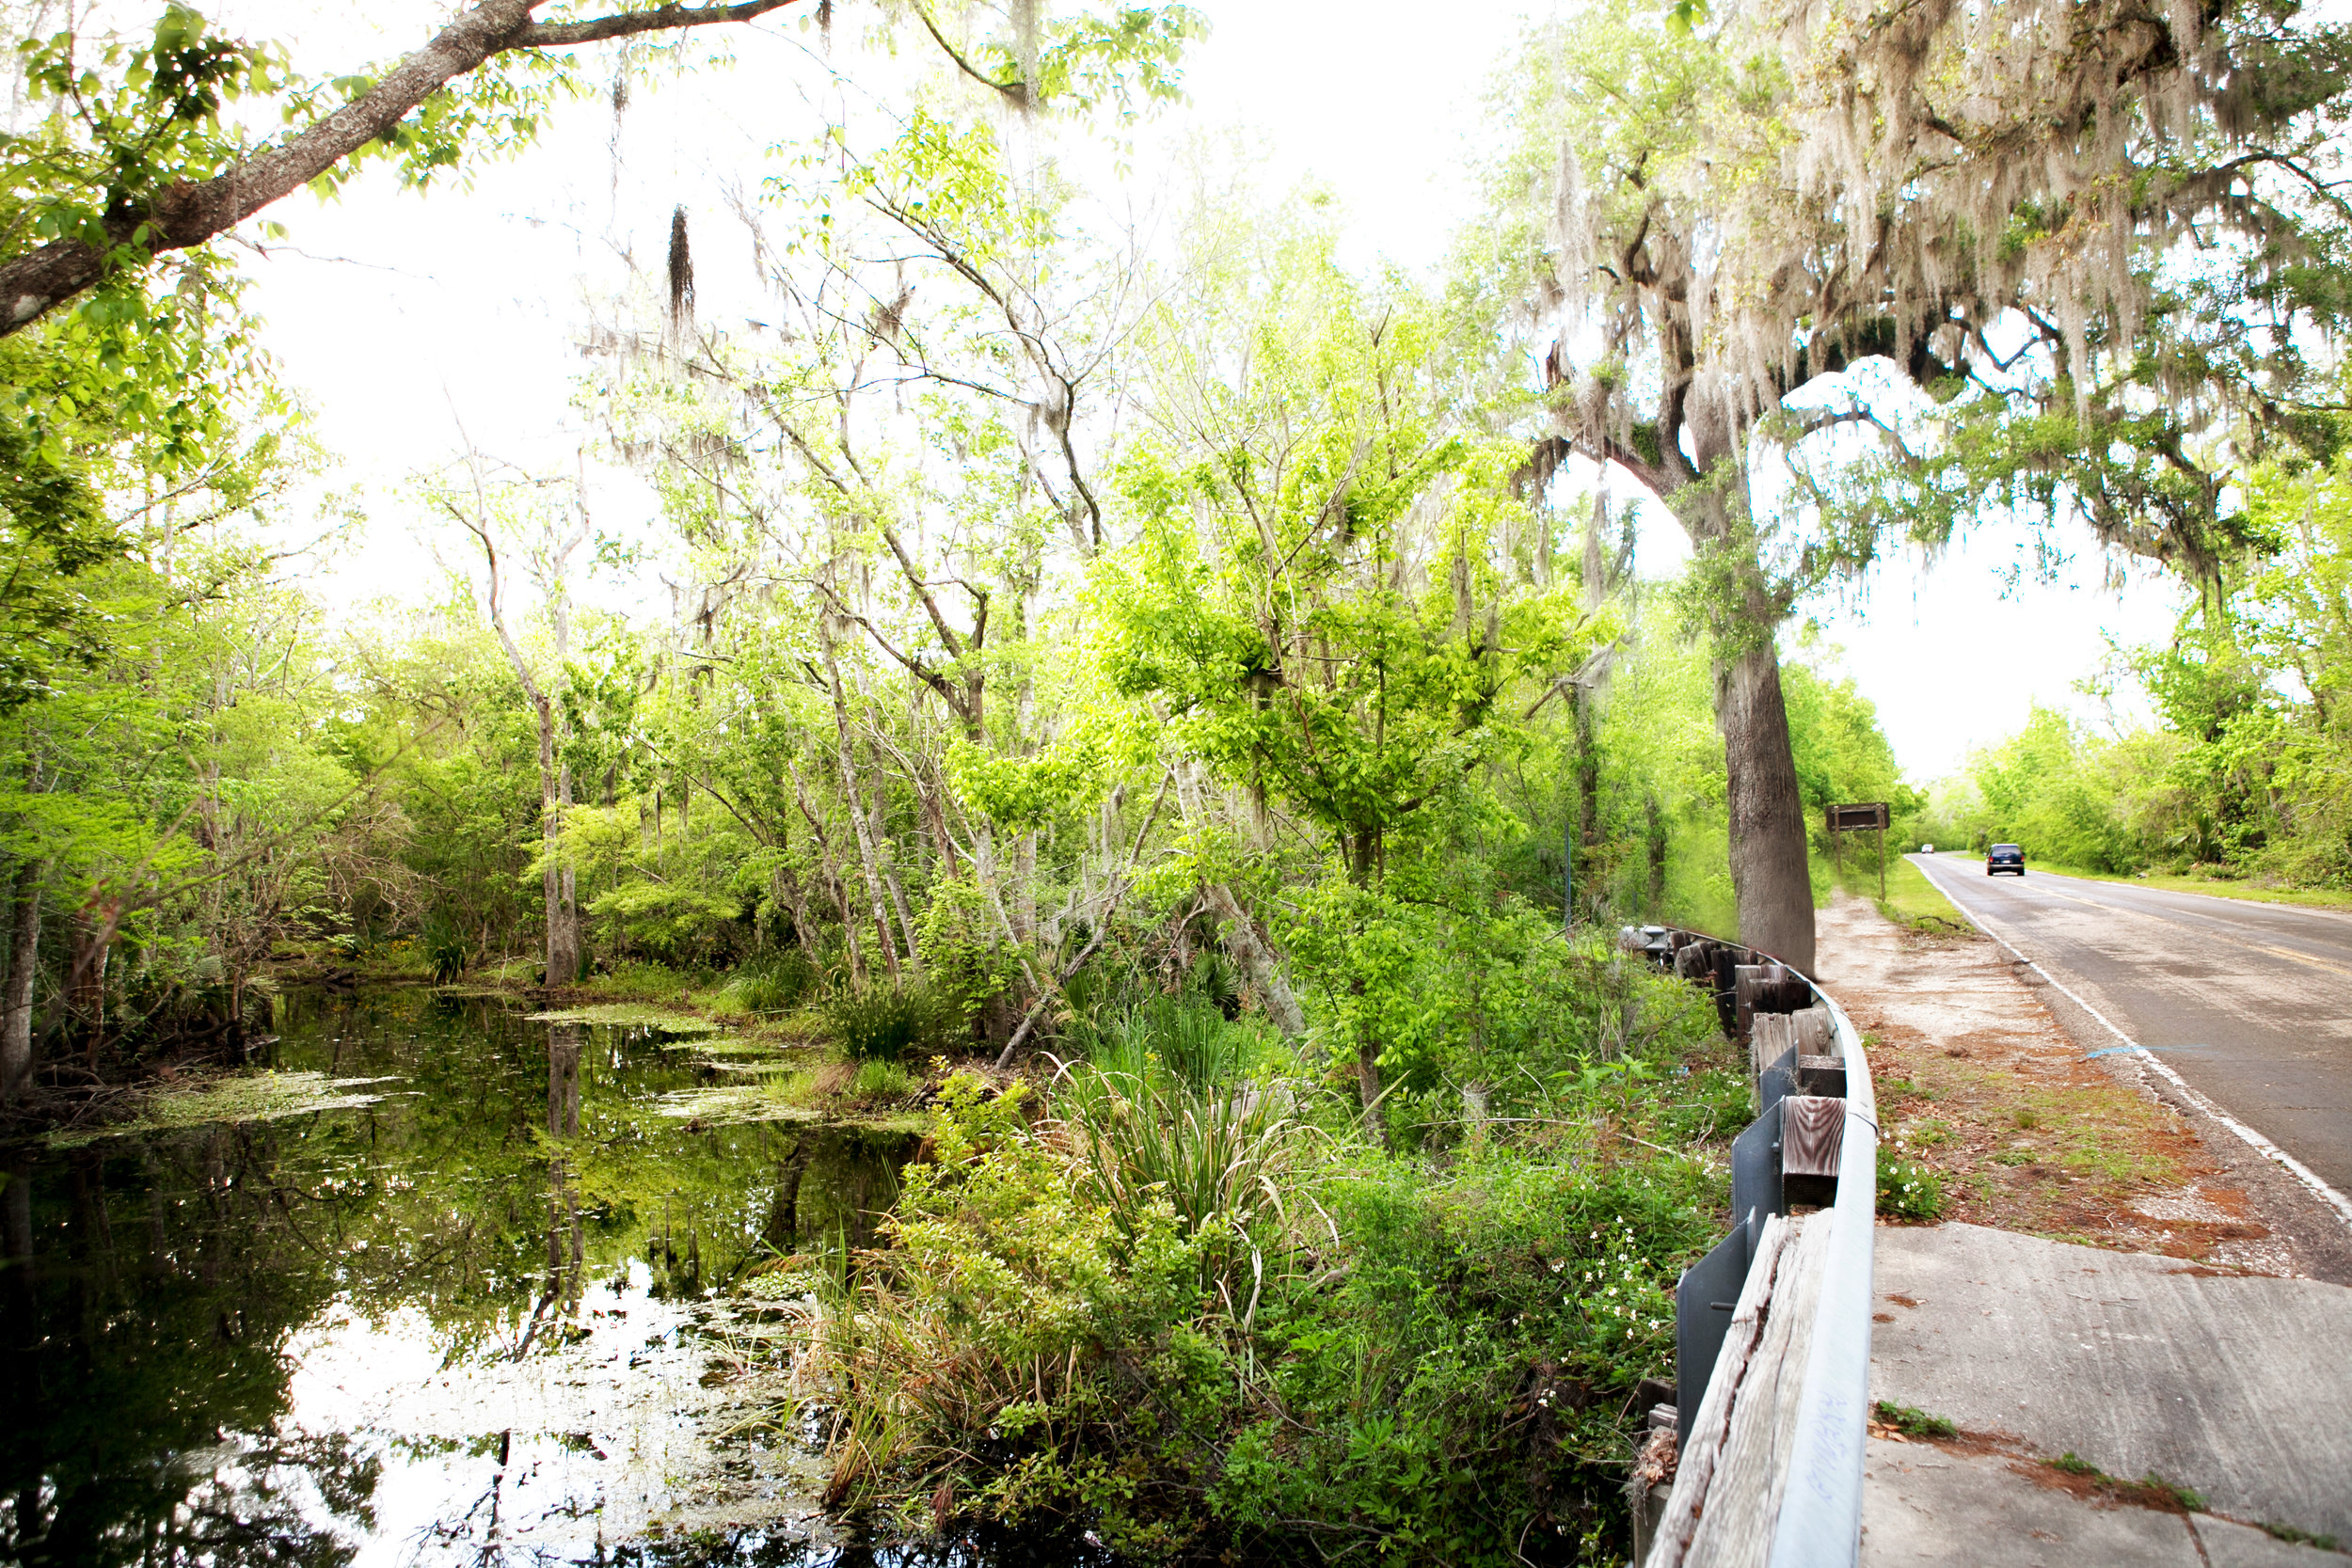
x,y
886,1022
445,950
1224,1159
1185,1037
879,1080
770,983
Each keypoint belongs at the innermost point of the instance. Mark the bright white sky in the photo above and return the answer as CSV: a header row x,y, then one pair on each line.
x,y
402,317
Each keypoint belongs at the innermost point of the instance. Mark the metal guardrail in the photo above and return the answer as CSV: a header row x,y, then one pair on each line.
x,y
1796,1480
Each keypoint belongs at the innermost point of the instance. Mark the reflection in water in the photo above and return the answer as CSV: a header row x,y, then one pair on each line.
x,y
565,1263
473,1321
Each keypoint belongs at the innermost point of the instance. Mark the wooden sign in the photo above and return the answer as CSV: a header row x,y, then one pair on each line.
x,y
1860,818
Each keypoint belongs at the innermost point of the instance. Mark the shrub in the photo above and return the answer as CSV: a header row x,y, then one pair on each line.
x,y
1908,1190
1181,1318
1197,1314
1008,1319
444,951
966,960
885,1022
1461,1386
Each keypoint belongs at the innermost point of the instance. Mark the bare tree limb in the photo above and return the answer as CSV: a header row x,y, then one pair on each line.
x,y
1110,906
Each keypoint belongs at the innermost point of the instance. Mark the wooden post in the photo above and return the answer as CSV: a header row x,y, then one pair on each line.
x,y
1881,865
1746,981
1812,1128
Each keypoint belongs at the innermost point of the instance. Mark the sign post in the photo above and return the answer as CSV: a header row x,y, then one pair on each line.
x,y
1868,817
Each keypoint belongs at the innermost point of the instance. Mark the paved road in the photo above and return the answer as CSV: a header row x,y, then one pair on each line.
x,y
2250,1003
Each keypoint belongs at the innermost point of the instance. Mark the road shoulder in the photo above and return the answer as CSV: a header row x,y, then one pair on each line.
x,y
2023,1129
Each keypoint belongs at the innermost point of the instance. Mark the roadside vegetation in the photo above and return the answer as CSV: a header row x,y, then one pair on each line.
x,y
2237,786
1910,899
1181,1293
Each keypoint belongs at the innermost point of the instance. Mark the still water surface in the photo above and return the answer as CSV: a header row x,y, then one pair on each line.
x,y
443,1326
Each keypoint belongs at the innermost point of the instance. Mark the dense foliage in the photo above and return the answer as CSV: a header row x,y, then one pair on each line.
x,y
2227,754
1198,1310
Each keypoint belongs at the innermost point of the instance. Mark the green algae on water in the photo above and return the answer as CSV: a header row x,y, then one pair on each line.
x,y
776,1101
738,1045
631,1015
261,1096
734,1104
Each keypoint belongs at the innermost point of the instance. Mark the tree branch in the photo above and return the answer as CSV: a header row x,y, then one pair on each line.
x,y
185,215
662,19
1017,91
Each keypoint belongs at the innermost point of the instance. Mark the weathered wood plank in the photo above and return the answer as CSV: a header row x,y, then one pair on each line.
x,y
1748,981
1735,1530
1695,1472
1811,1127
1727,961
1814,1037
1768,1036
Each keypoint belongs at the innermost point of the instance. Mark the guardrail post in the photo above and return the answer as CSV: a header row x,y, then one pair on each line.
x,y
1703,1301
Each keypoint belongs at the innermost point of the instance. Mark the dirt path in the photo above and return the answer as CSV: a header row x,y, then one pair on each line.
x,y
2026,1130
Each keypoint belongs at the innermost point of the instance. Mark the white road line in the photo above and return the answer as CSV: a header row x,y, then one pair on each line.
x,y
2260,1144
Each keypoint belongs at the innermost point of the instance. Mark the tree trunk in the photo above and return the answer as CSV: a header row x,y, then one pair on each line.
x,y
889,858
797,896
562,932
1256,960
85,983
1024,886
1769,874
563,906
568,892
859,826
935,820
554,781
1368,1069
829,864
1362,856
1768,869
1587,798
16,997
1654,824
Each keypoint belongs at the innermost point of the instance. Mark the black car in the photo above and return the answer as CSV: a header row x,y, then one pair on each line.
x,y
2004,857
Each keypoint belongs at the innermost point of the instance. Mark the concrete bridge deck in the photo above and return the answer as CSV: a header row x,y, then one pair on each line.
x,y
2236,1388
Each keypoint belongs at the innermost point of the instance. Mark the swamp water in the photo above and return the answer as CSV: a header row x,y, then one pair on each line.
x,y
472,1312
